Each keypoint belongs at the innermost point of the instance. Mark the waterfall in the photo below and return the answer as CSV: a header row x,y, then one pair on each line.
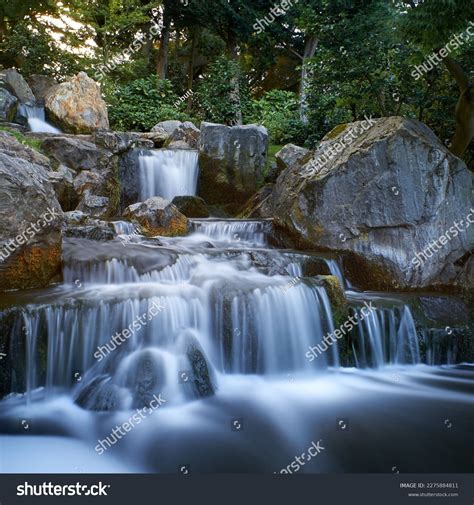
x,y
37,120
235,232
218,324
168,173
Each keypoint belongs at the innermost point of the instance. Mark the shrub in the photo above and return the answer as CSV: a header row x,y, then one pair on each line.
x,y
140,104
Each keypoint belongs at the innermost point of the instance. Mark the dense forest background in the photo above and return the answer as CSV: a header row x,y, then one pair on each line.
x,y
299,70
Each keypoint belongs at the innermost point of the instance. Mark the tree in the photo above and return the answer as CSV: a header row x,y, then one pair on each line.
x,y
445,29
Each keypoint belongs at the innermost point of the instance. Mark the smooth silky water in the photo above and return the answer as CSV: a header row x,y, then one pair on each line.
x,y
37,120
252,311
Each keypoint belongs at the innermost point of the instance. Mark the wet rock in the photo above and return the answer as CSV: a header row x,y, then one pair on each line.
x,y
191,206
76,106
382,195
129,178
157,216
232,162
199,374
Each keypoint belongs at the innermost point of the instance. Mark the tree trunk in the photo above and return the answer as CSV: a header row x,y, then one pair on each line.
x,y
162,58
464,109
233,51
310,47
192,59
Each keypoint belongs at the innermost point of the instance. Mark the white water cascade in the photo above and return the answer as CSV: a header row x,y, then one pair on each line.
x,y
168,173
230,341
37,120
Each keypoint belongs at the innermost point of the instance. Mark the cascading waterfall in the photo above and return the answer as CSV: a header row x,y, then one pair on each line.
x,y
37,120
217,316
168,173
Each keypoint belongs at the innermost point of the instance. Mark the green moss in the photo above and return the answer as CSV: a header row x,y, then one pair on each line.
x,y
33,143
336,131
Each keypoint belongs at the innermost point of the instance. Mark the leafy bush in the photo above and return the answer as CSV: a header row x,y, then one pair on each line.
x,y
277,110
214,93
140,104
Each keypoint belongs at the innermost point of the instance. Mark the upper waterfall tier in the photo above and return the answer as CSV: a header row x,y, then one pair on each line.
x,y
37,120
168,173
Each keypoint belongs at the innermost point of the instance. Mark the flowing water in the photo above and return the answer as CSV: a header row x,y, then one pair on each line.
x,y
168,173
37,120
218,324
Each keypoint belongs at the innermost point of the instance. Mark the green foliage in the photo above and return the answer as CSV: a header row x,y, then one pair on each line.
x,y
140,104
35,52
277,110
214,93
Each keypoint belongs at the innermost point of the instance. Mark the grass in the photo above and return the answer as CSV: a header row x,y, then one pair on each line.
x,y
33,143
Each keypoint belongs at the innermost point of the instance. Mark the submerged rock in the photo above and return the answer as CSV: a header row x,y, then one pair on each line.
x,y
383,197
76,106
199,375
232,162
157,216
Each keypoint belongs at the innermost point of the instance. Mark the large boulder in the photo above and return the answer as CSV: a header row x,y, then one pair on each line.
x,y
15,83
157,216
41,85
76,106
381,191
30,234
8,106
232,161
